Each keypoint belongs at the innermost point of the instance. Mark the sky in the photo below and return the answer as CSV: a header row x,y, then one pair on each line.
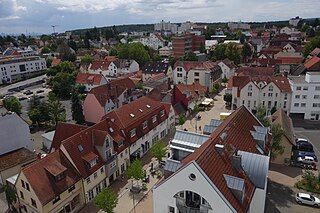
x,y
38,16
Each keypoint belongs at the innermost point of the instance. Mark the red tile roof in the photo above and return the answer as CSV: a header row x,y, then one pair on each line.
x,y
227,62
16,157
189,65
64,131
315,52
99,137
103,65
312,62
237,128
43,183
55,62
255,71
195,89
86,78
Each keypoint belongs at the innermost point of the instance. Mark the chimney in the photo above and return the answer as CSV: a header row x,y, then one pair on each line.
x,y
236,162
219,148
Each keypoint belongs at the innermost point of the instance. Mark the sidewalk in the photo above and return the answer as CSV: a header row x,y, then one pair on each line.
x,y
122,188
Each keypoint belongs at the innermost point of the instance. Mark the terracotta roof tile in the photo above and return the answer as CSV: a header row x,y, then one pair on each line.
x,y
189,65
255,71
64,131
43,183
237,128
280,117
55,62
103,65
16,157
99,137
312,62
195,89
86,78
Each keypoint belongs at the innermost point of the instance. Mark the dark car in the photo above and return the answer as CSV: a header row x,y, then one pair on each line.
x,y
40,91
304,146
297,153
22,98
28,92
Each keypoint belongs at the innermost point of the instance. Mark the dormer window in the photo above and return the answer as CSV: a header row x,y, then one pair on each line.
x,y
162,113
144,124
133,132
250,88
57,170
270,88
154,119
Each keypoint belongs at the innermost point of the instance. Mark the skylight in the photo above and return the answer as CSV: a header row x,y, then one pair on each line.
x,y
140,110
148,106
110,129
132,115
80,147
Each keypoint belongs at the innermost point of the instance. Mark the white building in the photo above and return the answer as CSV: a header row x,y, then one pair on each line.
x,y
206,174
162,26
265,91
13,69
305,96
288,30
165,51
228,68
14,133
154,41
295,21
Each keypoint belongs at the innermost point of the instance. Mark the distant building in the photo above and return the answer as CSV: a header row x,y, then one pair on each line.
x,y
295,21
155,41
238,26
13,69
165,51
162,26
90,80
151,69
187,43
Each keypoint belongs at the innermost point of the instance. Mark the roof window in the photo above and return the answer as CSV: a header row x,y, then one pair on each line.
x,y
132,115
80,147
148,106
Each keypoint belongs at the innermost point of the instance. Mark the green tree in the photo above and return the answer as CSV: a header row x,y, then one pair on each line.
x,y
135,51
87,59
65,66
158,150
34,102
219,52
233,53
13,104
135,171
225,79
276,148
190,56
56,110
217,86
182,120
62,84
227,98
246,51
106,200
311,32
314,43
45,50
76,107
11,196
261,116
202,48
113,52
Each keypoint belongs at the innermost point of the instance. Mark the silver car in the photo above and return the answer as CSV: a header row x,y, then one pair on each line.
x,y
303,198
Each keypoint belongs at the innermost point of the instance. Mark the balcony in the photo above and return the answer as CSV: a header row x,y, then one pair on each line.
x,y
185,206
111,158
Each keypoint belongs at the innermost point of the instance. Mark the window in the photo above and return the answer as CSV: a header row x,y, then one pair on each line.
x,y
276,94
254,103
298,88
270,88
275,104
196,74
296,104
249,104
304,96
317,88
93,162
22,183
33,203
95,175
243,102
303,104
27,186
297,97
179,69
101,170
249,94
181,194
107,142
133,132
21,195
162,113
284,104
250,88
264,94
154,119
179,75
285,96
316,96
171,209
88,180
262,103
269,94
144,124
316,105
305,88
56,199
113,164
71,188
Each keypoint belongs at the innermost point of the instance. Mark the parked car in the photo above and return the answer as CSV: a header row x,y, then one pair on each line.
x,y
306,160
298,154
304,146
303,198
28,92
22,98
301,140
40,91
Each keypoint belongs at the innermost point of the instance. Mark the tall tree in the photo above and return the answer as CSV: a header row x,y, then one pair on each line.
x,y
76,106
190,56
13,104
56,110
261,116
135,171
106,200
276,148
246,51
11,196
135,51
158,150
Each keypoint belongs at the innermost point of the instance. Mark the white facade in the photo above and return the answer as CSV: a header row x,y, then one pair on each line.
x,y
306,96
267,95
165,51
17,68
295,21
143,144
162,26
227,71
164,195
152,41
287,30
14,133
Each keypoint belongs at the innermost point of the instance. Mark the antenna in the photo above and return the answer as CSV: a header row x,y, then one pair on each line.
x,y
53,28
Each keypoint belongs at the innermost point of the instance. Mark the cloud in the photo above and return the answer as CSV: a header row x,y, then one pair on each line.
x,y
38,15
